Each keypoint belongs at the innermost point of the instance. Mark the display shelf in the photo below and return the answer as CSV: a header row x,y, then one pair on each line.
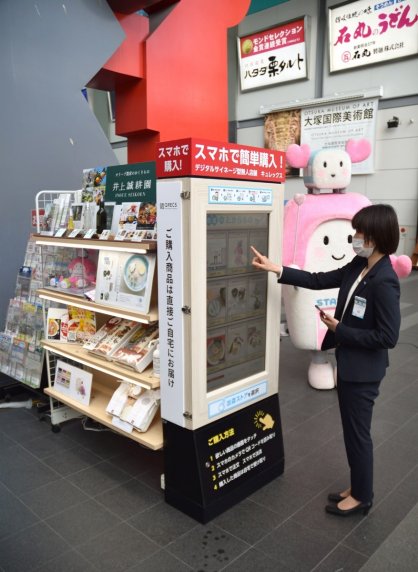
x,y
100,396
77,353
60,297
96,244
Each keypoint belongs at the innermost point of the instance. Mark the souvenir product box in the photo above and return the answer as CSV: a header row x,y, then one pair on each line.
x,y
108,328
138,349
115,339
81,324
125,280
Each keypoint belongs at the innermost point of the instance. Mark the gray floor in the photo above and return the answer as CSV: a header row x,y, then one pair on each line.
x,y
83,501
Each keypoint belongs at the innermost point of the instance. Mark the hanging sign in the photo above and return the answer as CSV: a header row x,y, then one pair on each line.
x,y
273,56
363,33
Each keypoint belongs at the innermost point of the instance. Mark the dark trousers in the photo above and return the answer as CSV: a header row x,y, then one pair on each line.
x,y
356,401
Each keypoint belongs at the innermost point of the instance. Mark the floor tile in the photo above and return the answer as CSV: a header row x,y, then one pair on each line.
x,y
128,499
118,549
72,460
50,499
248,521
341,559
207,548
99,478
70,561
163,523
161,561
253,560
31,548
296,547
15,516
82,522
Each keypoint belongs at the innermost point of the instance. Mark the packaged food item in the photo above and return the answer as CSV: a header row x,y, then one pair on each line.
x,y
81,324
108,328
116,338
137,351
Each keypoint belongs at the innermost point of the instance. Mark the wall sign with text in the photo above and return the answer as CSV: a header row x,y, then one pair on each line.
x,y
363,33
272,56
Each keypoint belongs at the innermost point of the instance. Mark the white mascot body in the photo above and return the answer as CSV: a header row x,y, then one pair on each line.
x,y
317,237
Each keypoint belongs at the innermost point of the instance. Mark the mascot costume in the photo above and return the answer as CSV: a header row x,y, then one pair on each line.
x,y
317,237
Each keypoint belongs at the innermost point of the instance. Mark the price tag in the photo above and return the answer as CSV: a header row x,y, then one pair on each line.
x,y
121,235
60,232
137,236
90,233
74,233
105,235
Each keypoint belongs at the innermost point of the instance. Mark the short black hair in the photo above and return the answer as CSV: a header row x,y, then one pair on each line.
x,y
378,224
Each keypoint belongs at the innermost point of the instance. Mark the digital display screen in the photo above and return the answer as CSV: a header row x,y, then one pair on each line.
x,y
236,297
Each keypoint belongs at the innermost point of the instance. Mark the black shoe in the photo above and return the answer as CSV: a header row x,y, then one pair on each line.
x,y
363,507
335,497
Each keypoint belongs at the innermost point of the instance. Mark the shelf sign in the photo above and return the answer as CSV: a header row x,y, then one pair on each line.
x,y
222,160
273,56
363,33
135,182
219,406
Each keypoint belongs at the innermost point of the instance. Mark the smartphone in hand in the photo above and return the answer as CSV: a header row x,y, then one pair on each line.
x,y
320,310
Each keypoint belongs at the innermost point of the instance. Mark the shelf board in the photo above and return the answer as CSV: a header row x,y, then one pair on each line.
x,y
77,353
100,396
96,244
60,297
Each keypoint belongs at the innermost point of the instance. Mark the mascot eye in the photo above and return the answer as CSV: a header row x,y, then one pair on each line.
x,y
341,163
325,164
350,238
326,240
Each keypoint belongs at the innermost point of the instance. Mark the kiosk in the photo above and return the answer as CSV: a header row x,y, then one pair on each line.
x,y
219,322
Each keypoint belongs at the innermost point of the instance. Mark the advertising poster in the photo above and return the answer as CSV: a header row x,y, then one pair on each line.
x,y
363,33
332,124
273,56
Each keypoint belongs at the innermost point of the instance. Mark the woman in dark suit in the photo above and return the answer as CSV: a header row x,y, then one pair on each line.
x,y
365,325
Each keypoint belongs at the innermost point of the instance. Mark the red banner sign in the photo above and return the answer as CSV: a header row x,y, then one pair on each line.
x,y
202,158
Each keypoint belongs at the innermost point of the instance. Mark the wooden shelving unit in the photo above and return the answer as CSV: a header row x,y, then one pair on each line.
x,y
60,297
153,438
106,373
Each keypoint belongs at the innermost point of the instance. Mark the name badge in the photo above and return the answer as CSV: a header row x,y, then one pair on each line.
x,y
359,307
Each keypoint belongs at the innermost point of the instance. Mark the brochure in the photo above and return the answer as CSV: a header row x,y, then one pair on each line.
x,y
73,382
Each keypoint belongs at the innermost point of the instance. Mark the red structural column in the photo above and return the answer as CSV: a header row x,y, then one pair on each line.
x,y
172,83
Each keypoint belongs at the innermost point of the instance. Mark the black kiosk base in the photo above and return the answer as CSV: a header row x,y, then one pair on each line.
x,y
208,470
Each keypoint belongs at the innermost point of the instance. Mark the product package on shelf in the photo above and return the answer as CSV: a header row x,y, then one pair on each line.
x,y
57,324
138,349
112,341
125,280
133,407
108,328
81,324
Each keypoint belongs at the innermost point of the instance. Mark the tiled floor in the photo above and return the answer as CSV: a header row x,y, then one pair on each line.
x,y
83,501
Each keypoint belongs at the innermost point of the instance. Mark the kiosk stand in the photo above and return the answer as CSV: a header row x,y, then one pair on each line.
x,y
219,323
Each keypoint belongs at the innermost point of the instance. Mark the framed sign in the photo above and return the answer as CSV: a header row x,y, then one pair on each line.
x,y
362,33
331,125
273,56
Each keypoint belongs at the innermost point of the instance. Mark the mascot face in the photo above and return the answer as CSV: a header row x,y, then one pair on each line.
x,y
329,247
329,169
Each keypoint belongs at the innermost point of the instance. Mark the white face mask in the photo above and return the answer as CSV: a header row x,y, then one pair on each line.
x,y
360,249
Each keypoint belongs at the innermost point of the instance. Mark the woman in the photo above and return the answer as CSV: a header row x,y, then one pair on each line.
x,y
366,323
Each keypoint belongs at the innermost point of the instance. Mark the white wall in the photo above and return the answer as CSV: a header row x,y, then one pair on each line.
x,y
395,180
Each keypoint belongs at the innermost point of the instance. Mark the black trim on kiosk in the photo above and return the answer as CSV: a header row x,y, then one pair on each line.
x,y
210,469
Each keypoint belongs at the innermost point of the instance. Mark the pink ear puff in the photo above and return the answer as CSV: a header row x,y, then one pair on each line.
x,y
358,149
402,265
298,155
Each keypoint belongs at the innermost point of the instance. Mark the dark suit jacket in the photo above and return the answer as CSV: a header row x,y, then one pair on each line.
x,y
361,343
